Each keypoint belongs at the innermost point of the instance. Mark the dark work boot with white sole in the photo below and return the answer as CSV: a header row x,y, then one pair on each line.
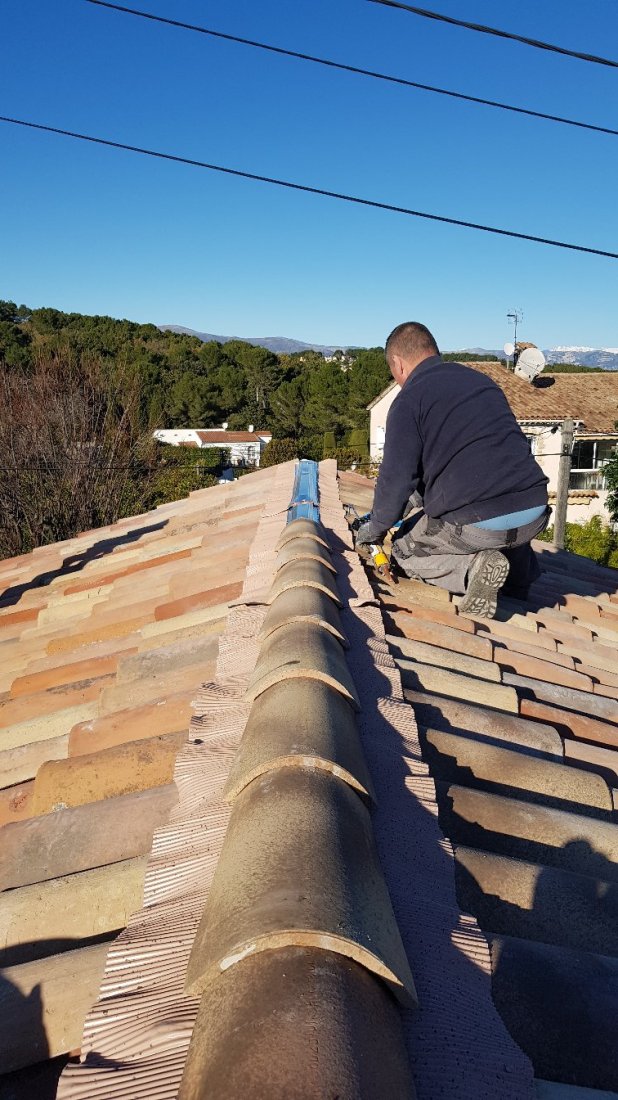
x,y
486,576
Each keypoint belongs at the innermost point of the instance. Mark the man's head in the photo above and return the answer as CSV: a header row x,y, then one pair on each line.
x,y
406,347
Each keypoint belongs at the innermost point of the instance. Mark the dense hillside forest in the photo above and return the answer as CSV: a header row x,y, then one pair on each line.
x,y
81,397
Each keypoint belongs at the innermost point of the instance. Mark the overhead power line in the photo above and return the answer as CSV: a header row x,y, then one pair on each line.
x,y
483,29
353,68
357,200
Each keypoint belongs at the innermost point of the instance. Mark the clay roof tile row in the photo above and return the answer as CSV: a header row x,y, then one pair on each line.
x,y
525,787
105,640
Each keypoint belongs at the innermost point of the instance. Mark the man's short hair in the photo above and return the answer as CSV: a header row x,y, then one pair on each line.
x,y
412,341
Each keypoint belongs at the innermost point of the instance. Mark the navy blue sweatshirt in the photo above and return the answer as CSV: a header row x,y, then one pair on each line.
x,y
450,433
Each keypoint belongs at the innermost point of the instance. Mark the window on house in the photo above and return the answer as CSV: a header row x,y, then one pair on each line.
x,y
587,461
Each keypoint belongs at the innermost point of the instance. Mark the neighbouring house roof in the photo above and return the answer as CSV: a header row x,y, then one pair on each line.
x,y
276,717
233,437
589,398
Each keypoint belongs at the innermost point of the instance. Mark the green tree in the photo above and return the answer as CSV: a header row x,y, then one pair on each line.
x,y
8,311
570,368
191,403
14,345
368,376
288,403
326,400
278,450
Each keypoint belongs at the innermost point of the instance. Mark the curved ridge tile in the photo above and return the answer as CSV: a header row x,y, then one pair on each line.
x,y
299,868
304,574
302,651
294,1024
303,723
304,550
296,605
304,529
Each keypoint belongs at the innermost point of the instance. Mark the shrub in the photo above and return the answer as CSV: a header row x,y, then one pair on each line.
x,y
329,445
278,450
311,446
359,441
595,540
349,456
611,478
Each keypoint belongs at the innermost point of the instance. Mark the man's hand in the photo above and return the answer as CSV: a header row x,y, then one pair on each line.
x,y
368,533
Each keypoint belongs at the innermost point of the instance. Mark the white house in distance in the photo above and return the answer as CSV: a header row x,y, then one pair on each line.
x,y
245,447
591,400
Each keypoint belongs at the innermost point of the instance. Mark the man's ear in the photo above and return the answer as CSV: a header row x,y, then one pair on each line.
x,y
397,370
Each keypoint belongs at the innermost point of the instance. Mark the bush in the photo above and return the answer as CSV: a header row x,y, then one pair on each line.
x,y
595,540
278,450
349,456
610,471
311,446
359,441
329,445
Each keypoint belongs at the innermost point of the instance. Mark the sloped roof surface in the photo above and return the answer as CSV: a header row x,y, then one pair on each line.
x,y
377,796
232,437
517,718
105,640
591,398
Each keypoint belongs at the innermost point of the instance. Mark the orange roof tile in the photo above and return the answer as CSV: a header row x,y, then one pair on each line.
x,y
590,398
108,641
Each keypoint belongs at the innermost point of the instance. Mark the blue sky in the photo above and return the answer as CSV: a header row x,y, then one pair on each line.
x,y
94,230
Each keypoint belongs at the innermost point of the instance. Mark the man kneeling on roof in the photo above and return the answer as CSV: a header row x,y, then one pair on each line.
x,y
453,445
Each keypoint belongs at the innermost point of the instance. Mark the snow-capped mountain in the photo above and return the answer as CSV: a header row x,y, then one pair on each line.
x,y
607,358
586,357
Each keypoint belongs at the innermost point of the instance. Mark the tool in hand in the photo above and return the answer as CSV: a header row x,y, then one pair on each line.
x,y
378,557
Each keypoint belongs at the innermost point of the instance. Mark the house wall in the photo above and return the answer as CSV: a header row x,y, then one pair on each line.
x,y
177,436
377,423
240,452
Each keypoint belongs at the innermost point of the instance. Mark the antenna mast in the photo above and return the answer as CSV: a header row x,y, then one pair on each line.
x,y
515,317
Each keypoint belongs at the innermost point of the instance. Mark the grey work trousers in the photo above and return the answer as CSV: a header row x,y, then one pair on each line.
x,y
441,553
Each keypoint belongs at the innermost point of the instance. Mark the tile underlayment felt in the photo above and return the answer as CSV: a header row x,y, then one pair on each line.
x,y
457,1043
137,1035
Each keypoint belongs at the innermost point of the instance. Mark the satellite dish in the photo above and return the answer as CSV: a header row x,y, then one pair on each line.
x,y
509,349
530,363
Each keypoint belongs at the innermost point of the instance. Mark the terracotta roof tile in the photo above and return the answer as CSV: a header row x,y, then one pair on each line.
x,y
591,398
533,856
232,437
524,756
101,664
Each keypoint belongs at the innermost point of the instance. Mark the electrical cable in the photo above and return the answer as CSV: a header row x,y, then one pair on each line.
x,y
483,29
357,70
306,189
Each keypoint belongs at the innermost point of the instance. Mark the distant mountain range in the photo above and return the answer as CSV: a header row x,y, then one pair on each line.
x,y
586,357
607,358
279,344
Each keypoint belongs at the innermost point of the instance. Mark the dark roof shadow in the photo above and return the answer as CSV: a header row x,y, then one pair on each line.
x,y
76,562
